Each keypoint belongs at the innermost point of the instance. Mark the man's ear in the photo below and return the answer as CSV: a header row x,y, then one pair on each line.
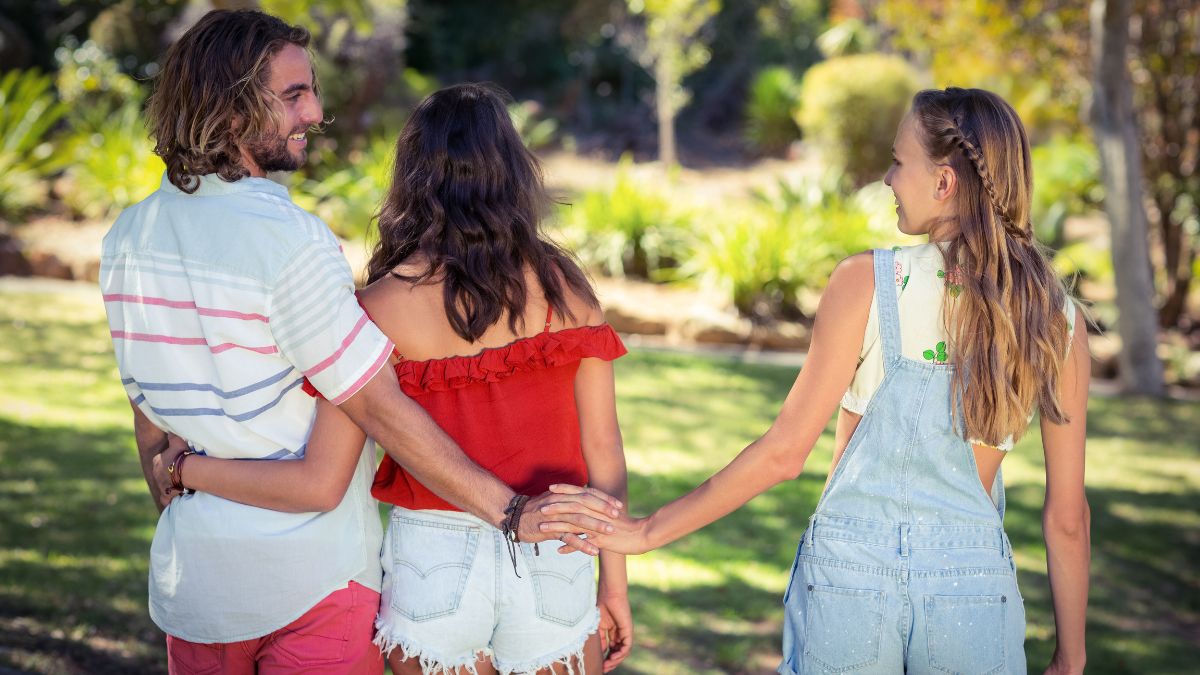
x,y
946,185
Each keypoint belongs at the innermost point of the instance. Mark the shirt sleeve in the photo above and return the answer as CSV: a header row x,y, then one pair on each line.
x,y
319,326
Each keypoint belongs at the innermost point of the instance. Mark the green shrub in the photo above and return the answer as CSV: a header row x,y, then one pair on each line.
x,y
537,131
748,253
851,106
1066,182
113,163
89,79
773,96
348,197
764,254
628,229
112,160
28,111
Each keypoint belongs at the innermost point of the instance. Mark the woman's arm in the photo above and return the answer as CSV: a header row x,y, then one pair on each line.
x,y
1066,518
317,482
595,399
781,452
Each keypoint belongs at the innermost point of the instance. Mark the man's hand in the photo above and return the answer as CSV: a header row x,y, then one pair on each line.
x,y
620,533
160,483
616,627
565,513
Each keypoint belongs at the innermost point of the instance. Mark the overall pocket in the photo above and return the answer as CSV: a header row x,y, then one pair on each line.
x,y
965,633
431,562
563,584
841,627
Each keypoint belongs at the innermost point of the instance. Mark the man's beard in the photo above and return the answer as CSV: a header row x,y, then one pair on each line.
x,y
271,154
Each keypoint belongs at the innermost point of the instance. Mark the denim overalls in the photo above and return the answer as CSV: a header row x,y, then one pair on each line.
x,y
905,566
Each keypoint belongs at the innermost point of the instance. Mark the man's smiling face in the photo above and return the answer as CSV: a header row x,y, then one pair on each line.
x,y
291,80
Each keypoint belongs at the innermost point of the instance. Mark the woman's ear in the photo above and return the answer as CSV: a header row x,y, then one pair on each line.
x,y
946,183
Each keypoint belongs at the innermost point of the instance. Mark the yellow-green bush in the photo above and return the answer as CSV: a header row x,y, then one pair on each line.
x,y
1066,182
851,106
628,229
348,197
28,110
765,252
113,164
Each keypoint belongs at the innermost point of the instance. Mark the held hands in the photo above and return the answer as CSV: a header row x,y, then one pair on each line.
x,y
622,533
163,491
573,516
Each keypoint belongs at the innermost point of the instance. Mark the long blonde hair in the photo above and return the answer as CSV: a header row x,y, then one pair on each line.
x,y
1007,327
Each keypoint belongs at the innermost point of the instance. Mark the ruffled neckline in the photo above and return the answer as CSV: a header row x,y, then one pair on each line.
x,y
493,364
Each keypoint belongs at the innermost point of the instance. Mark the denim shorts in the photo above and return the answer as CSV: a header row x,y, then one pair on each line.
x,y
450,595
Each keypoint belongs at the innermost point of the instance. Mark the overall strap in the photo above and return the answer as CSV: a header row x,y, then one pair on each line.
x,y
887,310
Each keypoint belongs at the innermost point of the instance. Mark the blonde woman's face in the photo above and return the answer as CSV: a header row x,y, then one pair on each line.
x,y
918,184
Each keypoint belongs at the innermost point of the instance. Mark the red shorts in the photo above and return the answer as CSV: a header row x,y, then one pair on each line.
x,y
332,637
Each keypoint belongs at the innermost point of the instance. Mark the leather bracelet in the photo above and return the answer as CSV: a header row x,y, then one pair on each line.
x,y
175,471
510,528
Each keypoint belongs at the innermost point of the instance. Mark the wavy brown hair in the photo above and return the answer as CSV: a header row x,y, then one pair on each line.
x,y
467,198
211,95
1007,327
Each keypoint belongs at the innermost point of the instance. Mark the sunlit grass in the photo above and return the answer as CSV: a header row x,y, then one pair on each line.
x,y
76,522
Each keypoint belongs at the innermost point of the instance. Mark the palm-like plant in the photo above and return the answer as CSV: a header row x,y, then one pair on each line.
x,y
28,112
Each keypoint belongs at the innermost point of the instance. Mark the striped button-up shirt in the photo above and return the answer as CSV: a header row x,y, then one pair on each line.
x,y
220,303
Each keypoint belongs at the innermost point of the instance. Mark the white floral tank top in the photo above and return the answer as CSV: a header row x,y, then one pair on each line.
x,y
921,283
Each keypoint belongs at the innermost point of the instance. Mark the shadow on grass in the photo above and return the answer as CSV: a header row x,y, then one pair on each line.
x,y
75,529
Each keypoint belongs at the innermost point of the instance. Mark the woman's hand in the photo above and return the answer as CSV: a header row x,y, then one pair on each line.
x,y
164,492
571,514
616,626
1060,665
621,534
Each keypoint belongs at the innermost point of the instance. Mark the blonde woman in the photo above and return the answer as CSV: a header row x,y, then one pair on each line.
x,y
934,357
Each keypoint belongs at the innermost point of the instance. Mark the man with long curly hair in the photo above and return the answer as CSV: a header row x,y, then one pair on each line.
x,y
222,297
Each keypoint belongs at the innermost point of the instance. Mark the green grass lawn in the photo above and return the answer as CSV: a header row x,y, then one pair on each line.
x,y
76,522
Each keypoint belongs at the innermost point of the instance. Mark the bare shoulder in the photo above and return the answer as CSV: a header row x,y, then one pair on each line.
x,y
585,311
396,305
854,274
384,294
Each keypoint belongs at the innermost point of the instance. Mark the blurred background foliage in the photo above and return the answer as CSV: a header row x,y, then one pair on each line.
x,y
700,83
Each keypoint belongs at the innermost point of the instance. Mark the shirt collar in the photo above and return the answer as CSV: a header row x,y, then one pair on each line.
x,y
211,184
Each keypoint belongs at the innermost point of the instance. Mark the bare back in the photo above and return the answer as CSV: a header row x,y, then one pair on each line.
x,y
414,317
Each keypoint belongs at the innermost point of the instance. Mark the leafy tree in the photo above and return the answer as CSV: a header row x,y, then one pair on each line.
x,y
1034,53
668,43
1166,72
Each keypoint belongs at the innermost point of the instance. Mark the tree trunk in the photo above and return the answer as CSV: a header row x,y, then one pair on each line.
x,y
1141,371
667,78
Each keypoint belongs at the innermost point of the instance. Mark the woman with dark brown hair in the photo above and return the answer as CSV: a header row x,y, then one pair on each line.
x,y
936,355
499,336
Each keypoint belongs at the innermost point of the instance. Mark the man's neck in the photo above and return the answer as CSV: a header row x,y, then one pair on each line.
x,y
251,165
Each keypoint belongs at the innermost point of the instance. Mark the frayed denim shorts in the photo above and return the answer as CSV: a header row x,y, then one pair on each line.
x,y
450,595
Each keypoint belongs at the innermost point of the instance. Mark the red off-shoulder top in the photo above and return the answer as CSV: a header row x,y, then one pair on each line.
x,y
511,409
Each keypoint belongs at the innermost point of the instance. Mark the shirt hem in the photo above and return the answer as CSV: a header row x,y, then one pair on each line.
x,y
254,634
